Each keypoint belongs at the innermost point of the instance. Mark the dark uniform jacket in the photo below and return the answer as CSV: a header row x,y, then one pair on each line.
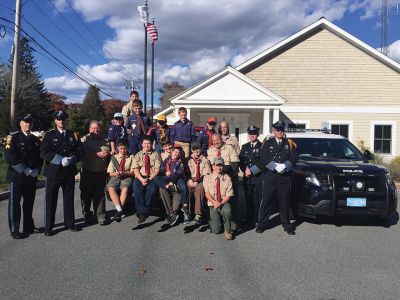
x,y
272,152
132,124
204,139
248,157
55,143
22,151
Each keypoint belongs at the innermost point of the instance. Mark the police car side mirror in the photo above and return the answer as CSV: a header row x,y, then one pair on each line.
x,y
368,155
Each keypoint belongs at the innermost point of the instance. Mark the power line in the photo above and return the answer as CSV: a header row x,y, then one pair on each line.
x,y
73,42
94,36
5,6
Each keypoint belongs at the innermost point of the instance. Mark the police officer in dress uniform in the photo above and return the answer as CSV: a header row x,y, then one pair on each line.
x,y
248,156
61,149
24,164
277,157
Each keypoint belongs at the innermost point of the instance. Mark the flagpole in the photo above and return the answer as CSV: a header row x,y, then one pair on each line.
x,y
152,79
145,69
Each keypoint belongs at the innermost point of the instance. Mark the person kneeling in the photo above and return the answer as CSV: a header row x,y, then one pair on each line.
x,y
218,190
173,188
120,169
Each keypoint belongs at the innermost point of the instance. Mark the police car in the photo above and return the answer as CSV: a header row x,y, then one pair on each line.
x,y
332,178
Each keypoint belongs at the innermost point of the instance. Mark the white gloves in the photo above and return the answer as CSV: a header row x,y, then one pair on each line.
x,y
35,172
280,168
66,161
28,171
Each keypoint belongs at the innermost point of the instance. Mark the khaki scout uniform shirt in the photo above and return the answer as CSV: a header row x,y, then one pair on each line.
x,y
233,141
155,162
205,167
129,163
227,153
91,161
210,186
127,110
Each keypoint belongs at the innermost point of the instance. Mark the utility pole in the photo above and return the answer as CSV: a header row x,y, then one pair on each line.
x,y
15,71
385,14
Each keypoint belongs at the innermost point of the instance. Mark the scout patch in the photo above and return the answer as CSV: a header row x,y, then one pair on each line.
x,y
8,141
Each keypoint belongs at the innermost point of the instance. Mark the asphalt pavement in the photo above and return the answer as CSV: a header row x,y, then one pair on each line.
x,y
356,259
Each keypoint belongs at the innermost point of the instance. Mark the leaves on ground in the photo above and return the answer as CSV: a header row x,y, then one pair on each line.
x,y
208,269
142,271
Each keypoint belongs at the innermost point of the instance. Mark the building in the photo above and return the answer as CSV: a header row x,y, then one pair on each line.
x,y
320,76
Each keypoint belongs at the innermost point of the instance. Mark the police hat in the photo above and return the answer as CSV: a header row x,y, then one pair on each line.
x,y
280,125
60,115
195,145
218,161
26,118
253,129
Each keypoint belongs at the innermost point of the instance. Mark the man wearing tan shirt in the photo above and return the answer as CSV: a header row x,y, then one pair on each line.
x,y
120,169
218,191
94,175
227,138
147,164
198,166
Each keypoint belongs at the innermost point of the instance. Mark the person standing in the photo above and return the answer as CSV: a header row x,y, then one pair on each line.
x,y
205,135
277,157
218,190
127,109
94,175
182,132
249,155
117,133
61,149
146,166
227,138
22,152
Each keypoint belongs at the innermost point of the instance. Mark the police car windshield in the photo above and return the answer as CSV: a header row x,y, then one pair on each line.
x,y
317,148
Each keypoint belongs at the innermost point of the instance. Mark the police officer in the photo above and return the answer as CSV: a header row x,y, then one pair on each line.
x,y
248,156
61,149
277,157
24,164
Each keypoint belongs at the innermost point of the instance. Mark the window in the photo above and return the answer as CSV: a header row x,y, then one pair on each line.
x,y
340,129
298,125
383,138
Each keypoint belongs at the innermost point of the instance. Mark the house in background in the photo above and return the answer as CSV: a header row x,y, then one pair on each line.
x,y
320,76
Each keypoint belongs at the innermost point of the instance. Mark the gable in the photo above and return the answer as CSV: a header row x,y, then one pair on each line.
x,y
325,69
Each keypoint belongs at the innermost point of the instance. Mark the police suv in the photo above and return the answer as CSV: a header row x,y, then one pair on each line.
x,y
332,177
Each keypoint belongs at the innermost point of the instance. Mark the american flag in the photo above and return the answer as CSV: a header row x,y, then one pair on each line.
x,y
152,31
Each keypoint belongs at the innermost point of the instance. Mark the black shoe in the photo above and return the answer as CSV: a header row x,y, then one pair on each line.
x,y
73,228
49,232
290,231
87,218
141,218
260,229
18,235
117,217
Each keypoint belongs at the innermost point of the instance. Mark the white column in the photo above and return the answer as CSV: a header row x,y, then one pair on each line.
x,y
266,123
275,117
188,113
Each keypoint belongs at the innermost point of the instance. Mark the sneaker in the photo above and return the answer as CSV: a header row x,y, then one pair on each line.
x,y
186,215
197,220
174,218
228,235
101,222
117,217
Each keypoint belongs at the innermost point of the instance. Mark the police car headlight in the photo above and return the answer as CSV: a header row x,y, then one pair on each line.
x,y
311,179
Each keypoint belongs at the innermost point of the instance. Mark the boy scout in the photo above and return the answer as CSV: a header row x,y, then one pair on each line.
x,y
182,132
117,132
218,191
94,175
198,166
146,166
205,135
127,109
24,164
61,149
120,169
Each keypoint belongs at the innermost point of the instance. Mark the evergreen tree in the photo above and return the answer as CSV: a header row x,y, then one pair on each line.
x,y
5,91
92,108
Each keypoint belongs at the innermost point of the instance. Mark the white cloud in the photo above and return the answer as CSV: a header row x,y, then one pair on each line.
x,y
394,51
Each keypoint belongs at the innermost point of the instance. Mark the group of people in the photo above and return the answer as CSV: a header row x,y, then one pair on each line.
x,y
196,174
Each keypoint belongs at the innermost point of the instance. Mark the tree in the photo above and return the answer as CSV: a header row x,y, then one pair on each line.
x,y
57,102
31,93
168,91
76,121
92,108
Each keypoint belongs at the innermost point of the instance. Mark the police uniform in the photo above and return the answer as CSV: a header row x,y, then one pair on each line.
x,y
24,165
61,151
248,156
275,163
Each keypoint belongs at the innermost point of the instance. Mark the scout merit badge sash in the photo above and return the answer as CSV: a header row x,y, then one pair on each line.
x,y
115,163
140,124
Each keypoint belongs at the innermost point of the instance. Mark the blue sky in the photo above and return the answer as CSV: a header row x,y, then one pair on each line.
x,y
195,38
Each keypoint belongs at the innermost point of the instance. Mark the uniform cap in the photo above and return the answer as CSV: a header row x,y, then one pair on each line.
x,y
195,145
218,161
253,129
212,120
118,115
162,118
280,125
60,115
26,118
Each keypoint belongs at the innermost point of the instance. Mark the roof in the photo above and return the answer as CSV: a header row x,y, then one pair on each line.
x,y
314,28
314,135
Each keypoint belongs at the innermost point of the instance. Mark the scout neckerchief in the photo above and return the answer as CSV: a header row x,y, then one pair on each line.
x,y
141,124
147,164
197,162
218,189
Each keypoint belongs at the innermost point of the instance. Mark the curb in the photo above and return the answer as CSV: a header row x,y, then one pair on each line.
x,y
6,195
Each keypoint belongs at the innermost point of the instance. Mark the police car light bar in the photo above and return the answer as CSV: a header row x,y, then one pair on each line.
x,y
307,130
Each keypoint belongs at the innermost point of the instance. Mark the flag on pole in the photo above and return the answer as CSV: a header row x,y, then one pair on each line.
x,y
152,31
143,13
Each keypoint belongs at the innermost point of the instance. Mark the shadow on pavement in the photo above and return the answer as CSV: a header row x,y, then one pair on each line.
x,y
145,225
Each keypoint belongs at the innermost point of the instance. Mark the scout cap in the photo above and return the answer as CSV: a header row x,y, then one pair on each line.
x,y
118,115
162,118
212,120
195,145
218,161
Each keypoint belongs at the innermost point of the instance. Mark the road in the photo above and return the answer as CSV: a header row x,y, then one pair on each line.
x,y
353,260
